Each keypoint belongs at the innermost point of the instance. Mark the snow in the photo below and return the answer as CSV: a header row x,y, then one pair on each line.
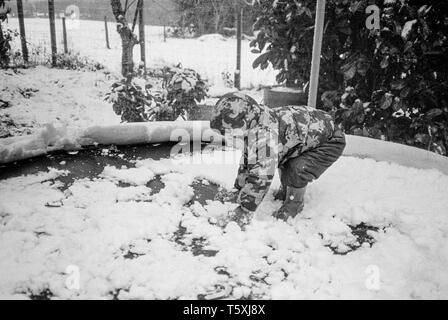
x,y
46,140
100,221
130,242
217,166
132,176
209,55
63,97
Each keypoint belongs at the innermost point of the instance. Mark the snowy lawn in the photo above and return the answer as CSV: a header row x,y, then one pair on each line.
x,y
31,98
137,226
210,55
41,95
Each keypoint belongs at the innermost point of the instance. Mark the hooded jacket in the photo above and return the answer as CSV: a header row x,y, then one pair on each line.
x,y
271,137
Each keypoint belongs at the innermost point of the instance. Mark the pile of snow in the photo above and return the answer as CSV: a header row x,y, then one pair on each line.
x,y
102,239
212,37
47,140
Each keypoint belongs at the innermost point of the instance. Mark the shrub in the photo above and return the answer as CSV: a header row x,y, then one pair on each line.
x,y
74,61
184,89
398,78
389,83
227,78
181,90
6,36
6,54
131,99
285,34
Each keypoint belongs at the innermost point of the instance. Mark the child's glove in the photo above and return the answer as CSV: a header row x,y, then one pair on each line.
x,y
226,196
240,216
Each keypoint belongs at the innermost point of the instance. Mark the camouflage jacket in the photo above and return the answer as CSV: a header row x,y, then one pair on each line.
x,y
271,137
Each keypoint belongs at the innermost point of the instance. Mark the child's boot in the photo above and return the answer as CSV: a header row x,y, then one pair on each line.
x,y
293,204
280,194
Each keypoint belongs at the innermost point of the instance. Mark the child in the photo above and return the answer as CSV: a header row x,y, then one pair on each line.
x,y
300,141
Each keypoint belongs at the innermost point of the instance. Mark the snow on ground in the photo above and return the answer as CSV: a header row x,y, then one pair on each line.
x,y
128,242
209,55
41,95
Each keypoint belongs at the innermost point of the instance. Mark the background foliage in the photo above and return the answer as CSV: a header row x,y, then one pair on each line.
x,y
389,83
199,17
6,35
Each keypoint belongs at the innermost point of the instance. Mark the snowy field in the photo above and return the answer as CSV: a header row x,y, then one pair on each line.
x,y
210,55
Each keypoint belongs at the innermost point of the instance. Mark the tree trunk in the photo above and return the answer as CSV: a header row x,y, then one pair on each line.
x,y
127,56
1,35
3,50
141,28
217,20
22,30
128,39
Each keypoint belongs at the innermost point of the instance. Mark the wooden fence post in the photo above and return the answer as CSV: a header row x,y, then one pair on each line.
x,y
64,35
107,32
22,31
52,32
239,25
141,28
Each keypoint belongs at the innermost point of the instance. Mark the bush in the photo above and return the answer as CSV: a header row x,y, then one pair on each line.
x,y
74,61
285,34
184,89
399,75
6,54
389,83
6,36
181,90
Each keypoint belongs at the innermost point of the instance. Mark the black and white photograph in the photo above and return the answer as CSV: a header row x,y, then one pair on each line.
x,y
224,150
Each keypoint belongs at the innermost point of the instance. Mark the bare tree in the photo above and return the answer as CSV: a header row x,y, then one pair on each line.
x,y
220,8
128,38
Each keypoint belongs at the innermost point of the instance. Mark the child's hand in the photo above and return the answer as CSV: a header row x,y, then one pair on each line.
x,y
241,217
226,196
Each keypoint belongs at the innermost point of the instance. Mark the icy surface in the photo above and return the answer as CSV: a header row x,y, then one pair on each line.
x,y
127,242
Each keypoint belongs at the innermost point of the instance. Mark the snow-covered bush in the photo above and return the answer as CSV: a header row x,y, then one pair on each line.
x,y
74,61
181,90
131,99
227,78
6,36
184,89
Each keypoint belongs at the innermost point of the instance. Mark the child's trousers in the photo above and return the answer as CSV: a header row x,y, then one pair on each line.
x,y
310,165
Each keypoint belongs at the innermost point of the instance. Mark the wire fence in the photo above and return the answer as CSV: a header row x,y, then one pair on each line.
x,y
213,56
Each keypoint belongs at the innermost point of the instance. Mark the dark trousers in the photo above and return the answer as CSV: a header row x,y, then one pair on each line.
x,y
310,165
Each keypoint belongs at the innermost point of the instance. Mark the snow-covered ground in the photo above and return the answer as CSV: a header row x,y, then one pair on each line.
x,y
109,236
209,55
121,238
41,95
